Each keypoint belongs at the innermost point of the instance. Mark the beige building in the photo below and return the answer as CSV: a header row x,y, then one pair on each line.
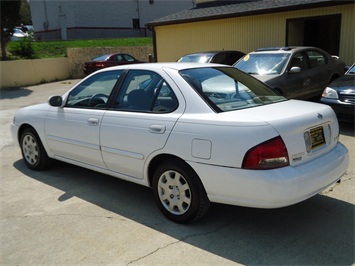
x,y
247,25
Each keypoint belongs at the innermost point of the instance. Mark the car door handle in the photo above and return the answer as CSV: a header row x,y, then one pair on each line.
x,y
158,129
93,121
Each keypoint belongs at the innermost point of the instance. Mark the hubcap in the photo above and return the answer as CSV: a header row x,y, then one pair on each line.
x,y
30,149
174,192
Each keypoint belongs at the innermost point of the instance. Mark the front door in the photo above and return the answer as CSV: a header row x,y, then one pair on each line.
x,y
296,84
73,131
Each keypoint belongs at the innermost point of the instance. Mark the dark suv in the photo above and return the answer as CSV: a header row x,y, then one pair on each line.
x,y
296,72
219,57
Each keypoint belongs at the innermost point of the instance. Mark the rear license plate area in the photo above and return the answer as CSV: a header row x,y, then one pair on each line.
x,y
317,137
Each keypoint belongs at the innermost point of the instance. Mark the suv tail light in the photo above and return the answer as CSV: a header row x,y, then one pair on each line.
x,y
267,155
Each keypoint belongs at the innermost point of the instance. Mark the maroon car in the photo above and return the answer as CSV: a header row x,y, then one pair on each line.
x,y
109,60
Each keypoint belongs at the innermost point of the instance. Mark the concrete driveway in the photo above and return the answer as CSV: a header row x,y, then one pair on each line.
x,y
72,216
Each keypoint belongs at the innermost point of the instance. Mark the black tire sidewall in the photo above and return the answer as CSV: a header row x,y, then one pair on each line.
x,y
198,193
42,155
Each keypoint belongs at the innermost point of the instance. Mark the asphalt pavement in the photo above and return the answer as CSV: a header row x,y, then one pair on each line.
x,y
68,215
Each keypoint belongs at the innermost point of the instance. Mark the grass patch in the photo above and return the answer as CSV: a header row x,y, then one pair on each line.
x,y
54,49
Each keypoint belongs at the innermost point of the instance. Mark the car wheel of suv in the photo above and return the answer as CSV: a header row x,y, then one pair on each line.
x,y
179,192
33,151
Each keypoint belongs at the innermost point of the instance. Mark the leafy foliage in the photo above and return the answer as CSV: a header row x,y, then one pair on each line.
x,y
25,13
10,16
24,48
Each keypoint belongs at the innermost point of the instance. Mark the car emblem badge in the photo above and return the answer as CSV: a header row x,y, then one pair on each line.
x,y
320,116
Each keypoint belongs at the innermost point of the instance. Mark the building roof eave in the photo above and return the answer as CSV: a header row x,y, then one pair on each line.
x,y
242,10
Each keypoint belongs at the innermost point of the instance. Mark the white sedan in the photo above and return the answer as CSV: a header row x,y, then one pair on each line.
x,y
195,133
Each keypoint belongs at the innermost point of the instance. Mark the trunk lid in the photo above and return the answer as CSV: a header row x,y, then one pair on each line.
x,y
308,129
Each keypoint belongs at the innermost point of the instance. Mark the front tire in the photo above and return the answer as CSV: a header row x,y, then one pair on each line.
x,y
179,192
33,151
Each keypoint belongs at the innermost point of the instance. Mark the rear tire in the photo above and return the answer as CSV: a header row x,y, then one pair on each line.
x,y
179,192
32,150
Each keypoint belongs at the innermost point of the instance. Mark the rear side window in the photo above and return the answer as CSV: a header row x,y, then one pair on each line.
x,y
316,59
128,58
227,89
147,92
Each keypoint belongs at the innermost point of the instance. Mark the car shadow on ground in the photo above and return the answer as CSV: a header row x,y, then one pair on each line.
x,y
315,232
14,93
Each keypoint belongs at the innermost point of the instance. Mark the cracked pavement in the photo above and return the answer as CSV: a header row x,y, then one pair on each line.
x,y
68,215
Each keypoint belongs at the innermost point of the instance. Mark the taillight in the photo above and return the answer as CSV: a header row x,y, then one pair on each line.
x,y
99,64
267,155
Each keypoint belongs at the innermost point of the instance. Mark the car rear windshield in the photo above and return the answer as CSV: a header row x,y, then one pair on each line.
x,y
101,58
263,63
351,70
228,89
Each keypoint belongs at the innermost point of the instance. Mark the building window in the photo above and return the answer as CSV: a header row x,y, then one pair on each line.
x,y
135,22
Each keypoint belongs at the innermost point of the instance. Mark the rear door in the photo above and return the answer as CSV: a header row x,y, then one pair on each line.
x,y
145,112
319,72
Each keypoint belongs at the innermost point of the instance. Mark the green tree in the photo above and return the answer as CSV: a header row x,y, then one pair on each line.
x,y
10,16
25,13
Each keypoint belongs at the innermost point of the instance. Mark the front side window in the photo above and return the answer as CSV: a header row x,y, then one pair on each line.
x,y
94,91
227,89
145,91
299,60
263,63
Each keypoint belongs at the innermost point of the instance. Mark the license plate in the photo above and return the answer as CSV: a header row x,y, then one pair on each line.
x,y
317,137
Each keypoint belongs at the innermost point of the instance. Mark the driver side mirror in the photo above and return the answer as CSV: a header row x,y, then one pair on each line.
x,y
55,101
294,70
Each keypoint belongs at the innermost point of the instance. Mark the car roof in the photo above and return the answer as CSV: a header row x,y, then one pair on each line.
x,y
284,49
213,52
158,66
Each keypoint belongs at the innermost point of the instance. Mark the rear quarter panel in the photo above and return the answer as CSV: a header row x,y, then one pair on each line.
x,y
212,139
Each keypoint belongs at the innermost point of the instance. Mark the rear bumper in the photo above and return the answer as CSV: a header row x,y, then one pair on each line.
x,y
273,188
